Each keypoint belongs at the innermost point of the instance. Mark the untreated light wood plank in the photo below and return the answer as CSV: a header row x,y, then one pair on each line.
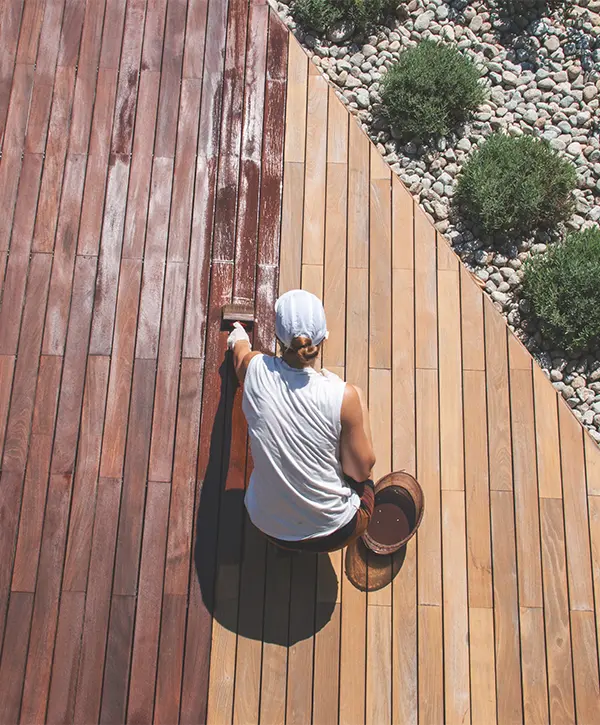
x,y
337,130
546,433
291,226
379,666
425,293
403,371
358,197
380,409
353,653
473,344
483,665
357,326
405,664
295,133
403,226
431,665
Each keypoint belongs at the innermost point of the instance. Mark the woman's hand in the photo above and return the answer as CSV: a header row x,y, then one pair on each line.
x,y
238,334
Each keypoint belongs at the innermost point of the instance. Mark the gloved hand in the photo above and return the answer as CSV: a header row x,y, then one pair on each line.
x,y
237,335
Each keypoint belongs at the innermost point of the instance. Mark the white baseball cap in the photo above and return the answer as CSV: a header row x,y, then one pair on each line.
x,y
299,313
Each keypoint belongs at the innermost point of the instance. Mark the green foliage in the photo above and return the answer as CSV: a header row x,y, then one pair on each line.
x,y
431,89
514,186
564,291
521,7
320,15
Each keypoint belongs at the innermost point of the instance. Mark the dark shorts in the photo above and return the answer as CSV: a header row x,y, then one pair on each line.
x,y
343,536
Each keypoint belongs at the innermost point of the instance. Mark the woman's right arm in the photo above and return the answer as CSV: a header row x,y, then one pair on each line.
x,y
356,446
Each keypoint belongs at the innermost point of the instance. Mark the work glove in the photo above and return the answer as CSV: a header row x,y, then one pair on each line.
x,y
238,334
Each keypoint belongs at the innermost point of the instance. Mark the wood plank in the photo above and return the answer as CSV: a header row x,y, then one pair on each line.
x,y
45,609
594,512
379,666
59,296
500,451
450,382
585,667
428,475
154,259
447,260
526,489
91,36
118,660
14,655
96,192
506,612
326,678
154,33
519,357
535,683
380,409
195,39
170,79
403,371
31,24
425,293
70,34
147,620
358,197
312,279
546,433
472,327
334,298
297,86
7,367
112,35
380,273
357,328
455,610
129,78
479,554
483,684
36,479
23,392
54,161
337,131
9,36
581,596
71,393
79,541
121,370
105,301
10,502
403,245
65,667
134,479
556,612
291,226
431,666
404,640
592,466
183,177
170,660
353,654
97,602
15,278
315,168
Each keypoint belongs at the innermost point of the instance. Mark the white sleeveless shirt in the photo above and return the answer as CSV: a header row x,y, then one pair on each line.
x,y
297,490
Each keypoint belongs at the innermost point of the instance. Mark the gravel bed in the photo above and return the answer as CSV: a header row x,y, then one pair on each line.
x,y
536,85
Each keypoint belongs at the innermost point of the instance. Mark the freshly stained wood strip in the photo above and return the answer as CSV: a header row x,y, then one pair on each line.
x,y
471,308
581,595
380,273
499,441
92,211
428,475
506,609
425,293
456,611
585,667
479,554
535,682
10,25
594,512
118,660
592,466
313,232
481,650
15,278
31,24
170,658
379,665
170,79
67,651
526,489
129,77
7,368
404,640
14,655
97,602
546,432
358,197
83,505
147,621
327,651
556,612
450,381
357,328
431,668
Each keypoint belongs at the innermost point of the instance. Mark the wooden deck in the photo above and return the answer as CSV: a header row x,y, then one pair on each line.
x,y
161,158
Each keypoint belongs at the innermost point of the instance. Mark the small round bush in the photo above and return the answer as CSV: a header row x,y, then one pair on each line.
x,y
321,15
563,287
514,186
431,89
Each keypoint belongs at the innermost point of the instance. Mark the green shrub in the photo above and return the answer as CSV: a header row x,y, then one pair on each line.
x,y
320,15
431,89
564,291
514,186
527,9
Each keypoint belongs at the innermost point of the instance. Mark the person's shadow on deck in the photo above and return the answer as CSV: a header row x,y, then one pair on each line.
x,y
246,585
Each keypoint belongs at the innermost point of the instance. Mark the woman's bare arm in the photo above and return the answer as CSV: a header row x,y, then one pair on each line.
x,y
242,354
356,445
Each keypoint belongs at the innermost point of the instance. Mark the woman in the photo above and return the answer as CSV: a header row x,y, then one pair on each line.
x,y
311,487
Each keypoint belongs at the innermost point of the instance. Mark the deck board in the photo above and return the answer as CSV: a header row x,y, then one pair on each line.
x,y
161,158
